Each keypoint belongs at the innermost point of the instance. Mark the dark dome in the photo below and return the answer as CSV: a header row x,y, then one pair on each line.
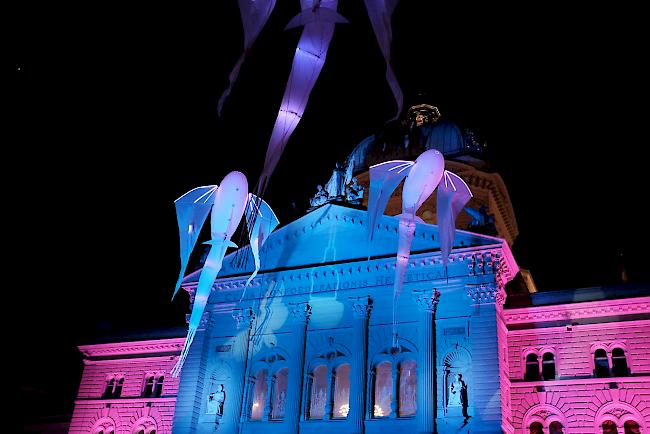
x,y
407,144
444,136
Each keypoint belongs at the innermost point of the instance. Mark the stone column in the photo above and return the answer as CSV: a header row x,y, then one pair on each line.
x,y
361,308
427,301
300,313
268,407
235,404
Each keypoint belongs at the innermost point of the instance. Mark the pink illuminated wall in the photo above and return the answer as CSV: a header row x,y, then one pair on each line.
x,y
577,398
136,409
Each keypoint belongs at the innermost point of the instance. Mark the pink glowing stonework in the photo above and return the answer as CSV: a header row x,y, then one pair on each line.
x,y
136,407
311,342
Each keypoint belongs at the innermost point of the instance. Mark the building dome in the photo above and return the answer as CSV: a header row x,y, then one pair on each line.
x,y
418,133
445,136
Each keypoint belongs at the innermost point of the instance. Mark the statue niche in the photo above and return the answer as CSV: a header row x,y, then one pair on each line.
x,y
455,370
216,401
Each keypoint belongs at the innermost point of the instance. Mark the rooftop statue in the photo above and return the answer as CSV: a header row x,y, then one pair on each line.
x,y
320,197
336,185
354,192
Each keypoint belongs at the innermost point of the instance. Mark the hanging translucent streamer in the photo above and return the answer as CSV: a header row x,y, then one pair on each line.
x,y
380,13
254,15
227,211
384,179
264,222
422,178
318,18
453,195
191,211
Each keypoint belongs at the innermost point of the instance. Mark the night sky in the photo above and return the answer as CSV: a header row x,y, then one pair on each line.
x,y
113,116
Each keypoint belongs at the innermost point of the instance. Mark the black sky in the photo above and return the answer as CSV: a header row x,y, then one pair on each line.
x,y
113,116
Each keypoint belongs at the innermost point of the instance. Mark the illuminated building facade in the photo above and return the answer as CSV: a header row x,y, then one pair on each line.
x,y
308,346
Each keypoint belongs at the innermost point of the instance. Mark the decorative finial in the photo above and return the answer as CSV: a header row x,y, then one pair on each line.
x,y
421,114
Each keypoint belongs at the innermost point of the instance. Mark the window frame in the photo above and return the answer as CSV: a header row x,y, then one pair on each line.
x,y
273,361
332,358
406,352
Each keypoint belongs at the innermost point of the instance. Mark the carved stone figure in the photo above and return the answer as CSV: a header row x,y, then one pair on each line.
x,y
354,192
336,185
216,401
456,392
320,197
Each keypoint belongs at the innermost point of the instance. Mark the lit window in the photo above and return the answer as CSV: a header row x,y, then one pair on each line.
x,y
548,366
532,367
631,427
407,388
318,395
536,428
555,428
619,363
279,393
609,427
601,363
342,391
383,390
259,395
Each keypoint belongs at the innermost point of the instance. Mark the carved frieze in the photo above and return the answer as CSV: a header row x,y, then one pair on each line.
x,y
486,293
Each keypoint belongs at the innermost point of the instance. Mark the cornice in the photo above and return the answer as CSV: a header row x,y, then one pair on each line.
x,y
581,310
495,259
133,348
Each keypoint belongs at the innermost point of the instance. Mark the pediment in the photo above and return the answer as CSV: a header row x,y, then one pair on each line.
x,y
334,234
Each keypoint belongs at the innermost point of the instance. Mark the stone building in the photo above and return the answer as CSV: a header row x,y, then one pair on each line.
x,y
308,346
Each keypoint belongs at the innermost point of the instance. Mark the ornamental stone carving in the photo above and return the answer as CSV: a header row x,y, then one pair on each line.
x,y
617,412
427,299
300,312
486,293
361,306
244,317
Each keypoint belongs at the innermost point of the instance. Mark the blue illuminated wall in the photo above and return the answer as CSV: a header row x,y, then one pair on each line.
x,y
324,297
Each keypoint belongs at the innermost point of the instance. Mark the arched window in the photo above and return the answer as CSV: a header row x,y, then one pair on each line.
x,y
149,381
601,364
259,395
609,427
631,427
318,393
383,390
555,428
108,388
548,366
278,402
157,389
341,391
532,367
619,363
407,388
536,428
